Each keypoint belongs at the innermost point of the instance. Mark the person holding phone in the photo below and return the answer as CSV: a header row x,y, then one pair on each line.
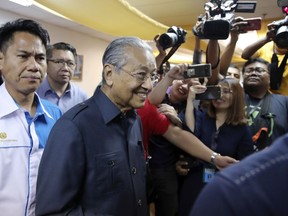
x,y
222,127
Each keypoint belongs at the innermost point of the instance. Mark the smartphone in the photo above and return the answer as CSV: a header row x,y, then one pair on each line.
x,y
192,162
211,93
253,24
197,71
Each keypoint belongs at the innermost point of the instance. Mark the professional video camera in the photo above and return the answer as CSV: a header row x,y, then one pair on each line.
x,y
216,23
175,36
281,26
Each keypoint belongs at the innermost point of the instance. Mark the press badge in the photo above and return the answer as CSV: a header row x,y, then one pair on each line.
x,y
208,173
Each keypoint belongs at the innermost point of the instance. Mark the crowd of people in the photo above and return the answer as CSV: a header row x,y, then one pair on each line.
x,y
139,146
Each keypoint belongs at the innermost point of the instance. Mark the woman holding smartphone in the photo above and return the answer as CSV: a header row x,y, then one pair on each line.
x,y
222,127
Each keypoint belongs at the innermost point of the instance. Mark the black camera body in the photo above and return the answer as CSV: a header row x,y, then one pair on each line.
x,y
218,24
175,36
281,32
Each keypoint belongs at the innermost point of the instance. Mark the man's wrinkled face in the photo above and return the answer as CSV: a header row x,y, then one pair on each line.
x,y
132,83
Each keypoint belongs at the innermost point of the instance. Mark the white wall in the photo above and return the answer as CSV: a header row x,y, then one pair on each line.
x,y
91,48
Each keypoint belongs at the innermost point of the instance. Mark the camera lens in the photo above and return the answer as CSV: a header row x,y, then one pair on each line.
x,y
168,40
281,38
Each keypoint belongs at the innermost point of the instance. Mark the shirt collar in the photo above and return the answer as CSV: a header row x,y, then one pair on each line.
x,y
11,106
47,88
107,108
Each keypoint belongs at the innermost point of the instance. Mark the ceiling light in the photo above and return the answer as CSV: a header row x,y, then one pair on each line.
x,y
23,2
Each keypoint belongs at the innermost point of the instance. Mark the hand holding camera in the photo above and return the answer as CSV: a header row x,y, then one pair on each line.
x,y
242,25
175,36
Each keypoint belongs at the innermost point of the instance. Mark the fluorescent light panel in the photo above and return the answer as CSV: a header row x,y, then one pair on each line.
x,y
25,3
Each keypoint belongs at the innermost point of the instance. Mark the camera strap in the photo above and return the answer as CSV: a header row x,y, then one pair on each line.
x,y
167,57
276,73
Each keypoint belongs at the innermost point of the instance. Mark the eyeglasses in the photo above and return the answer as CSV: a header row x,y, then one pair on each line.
x,y
226,91
62,62
256,69
141,76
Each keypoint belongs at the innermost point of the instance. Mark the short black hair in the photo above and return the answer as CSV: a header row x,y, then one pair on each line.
x,y
252,60
8,30
61,46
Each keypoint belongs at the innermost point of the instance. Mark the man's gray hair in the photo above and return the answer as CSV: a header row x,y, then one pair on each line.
x,y
115,53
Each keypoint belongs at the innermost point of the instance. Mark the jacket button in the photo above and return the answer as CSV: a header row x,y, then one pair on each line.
x,y
134,170
139,202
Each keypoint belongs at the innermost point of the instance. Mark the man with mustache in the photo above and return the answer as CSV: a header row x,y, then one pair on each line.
x,y
267,112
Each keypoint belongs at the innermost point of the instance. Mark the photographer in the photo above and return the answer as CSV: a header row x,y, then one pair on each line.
x,y
274,54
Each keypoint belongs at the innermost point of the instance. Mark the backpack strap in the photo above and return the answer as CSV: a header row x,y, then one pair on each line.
x,y
262,123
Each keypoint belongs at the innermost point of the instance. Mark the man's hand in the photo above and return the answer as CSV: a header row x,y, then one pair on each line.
x,y
180,166
177,72
224,161
195,88
171,114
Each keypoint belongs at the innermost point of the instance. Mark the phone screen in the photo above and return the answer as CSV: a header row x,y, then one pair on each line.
x,y
211,93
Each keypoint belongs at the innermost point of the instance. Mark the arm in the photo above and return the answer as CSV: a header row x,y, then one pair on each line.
x,y
193,146
197,54
157,94
189,112
213,57
228,52
251,50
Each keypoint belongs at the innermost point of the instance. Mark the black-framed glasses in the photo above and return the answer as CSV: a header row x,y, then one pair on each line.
x,y
140,76
62,62
258,70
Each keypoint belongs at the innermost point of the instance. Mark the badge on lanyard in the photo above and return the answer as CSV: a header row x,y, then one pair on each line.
x,y
208,173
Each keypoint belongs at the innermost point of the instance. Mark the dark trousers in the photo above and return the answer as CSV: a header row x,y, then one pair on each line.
x,y
165,183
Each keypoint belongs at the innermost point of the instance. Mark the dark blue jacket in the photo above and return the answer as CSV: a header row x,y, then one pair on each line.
x,y
256,186
93,163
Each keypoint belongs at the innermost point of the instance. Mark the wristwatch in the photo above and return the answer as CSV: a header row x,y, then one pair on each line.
x,y
213,157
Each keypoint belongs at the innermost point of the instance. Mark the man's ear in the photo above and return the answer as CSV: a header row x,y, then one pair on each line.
x,y
108,74
1,60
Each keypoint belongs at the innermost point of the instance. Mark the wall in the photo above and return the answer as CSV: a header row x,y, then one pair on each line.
x,y
91,48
